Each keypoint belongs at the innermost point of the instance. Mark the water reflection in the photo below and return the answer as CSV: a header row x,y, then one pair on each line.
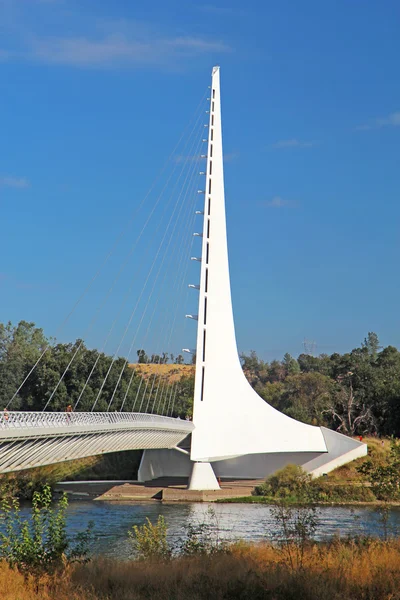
x,y
252,522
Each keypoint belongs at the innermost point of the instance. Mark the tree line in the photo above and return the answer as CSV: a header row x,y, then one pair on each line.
x,y
58,381
356,393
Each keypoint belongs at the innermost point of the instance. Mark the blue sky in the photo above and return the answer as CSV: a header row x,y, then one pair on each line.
x,y
93,96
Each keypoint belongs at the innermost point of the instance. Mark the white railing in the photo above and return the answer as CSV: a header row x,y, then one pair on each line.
x,y
28,420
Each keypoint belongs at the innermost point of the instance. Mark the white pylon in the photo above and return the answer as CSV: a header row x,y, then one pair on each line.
x,y
237,434
230,419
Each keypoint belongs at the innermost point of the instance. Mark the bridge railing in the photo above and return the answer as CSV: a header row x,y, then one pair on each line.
x,y
28,420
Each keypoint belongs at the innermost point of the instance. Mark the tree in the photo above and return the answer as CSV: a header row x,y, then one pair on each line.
x,y
20,347
250,362
307,396
291,365
142,357
371,343
349,414
384,478
179,360
182,398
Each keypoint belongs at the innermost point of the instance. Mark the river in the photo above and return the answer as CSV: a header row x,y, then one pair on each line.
x,y
251,522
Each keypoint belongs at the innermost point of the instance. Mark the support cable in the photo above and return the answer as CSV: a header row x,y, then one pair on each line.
x,y
108,256
133,312
179,286
143,344
154,283
169,328
125,298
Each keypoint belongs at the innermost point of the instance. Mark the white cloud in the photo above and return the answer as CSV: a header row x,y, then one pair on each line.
x,y
293,143
392,120
278,202
114,44
13,182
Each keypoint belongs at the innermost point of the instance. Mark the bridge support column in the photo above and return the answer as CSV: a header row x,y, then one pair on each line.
x,y
203,477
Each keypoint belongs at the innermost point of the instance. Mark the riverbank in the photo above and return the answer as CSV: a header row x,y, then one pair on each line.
x,y
271,501
162,489
338,570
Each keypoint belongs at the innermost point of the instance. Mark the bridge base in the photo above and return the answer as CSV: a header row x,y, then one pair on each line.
x,y
171,463
203,477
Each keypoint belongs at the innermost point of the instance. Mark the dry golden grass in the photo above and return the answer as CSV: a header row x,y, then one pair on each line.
x,y
348,473
339,570
171,372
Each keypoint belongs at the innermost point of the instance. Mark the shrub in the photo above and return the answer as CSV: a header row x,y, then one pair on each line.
x,y
150,541
40,545
287,482
204,538
384,478
296,527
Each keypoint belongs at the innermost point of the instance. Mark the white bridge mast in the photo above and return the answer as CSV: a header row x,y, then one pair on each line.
x,y
237,434
230,419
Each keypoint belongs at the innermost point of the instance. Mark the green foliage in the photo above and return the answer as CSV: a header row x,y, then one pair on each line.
x,y
371,344
295,530
40,546
142,357
204,538
324,491
291,481
295,486
23,344
355,393
384,478
183,405
113,465
150,540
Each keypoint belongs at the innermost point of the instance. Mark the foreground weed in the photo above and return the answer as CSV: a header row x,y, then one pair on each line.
x,y
149,540
39,546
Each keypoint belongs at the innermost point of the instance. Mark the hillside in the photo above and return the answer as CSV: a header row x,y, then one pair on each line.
x,y
171,372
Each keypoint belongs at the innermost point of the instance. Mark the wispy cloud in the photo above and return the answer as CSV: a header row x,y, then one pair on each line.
x,y
96,43
13,182
278,202
119,50
294,143
392,120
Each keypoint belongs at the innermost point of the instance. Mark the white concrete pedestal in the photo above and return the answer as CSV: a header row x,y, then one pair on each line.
x,y
203,477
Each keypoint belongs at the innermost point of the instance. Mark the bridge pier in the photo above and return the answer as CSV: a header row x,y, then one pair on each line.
x,y
203,477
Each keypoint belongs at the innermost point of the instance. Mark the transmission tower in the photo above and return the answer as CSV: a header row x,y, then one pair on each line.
x,y
310,347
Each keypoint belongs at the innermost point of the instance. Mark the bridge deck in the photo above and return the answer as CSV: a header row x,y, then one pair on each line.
x,y
31,439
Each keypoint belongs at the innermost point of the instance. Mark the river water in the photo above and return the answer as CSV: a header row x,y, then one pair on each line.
x,y
251,522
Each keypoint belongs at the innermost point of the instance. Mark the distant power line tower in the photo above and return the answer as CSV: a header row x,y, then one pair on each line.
x,y
310,347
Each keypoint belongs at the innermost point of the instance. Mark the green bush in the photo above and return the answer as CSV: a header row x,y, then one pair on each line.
x,y
150,541
204,538
327,492
40,545
291,481
384,478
